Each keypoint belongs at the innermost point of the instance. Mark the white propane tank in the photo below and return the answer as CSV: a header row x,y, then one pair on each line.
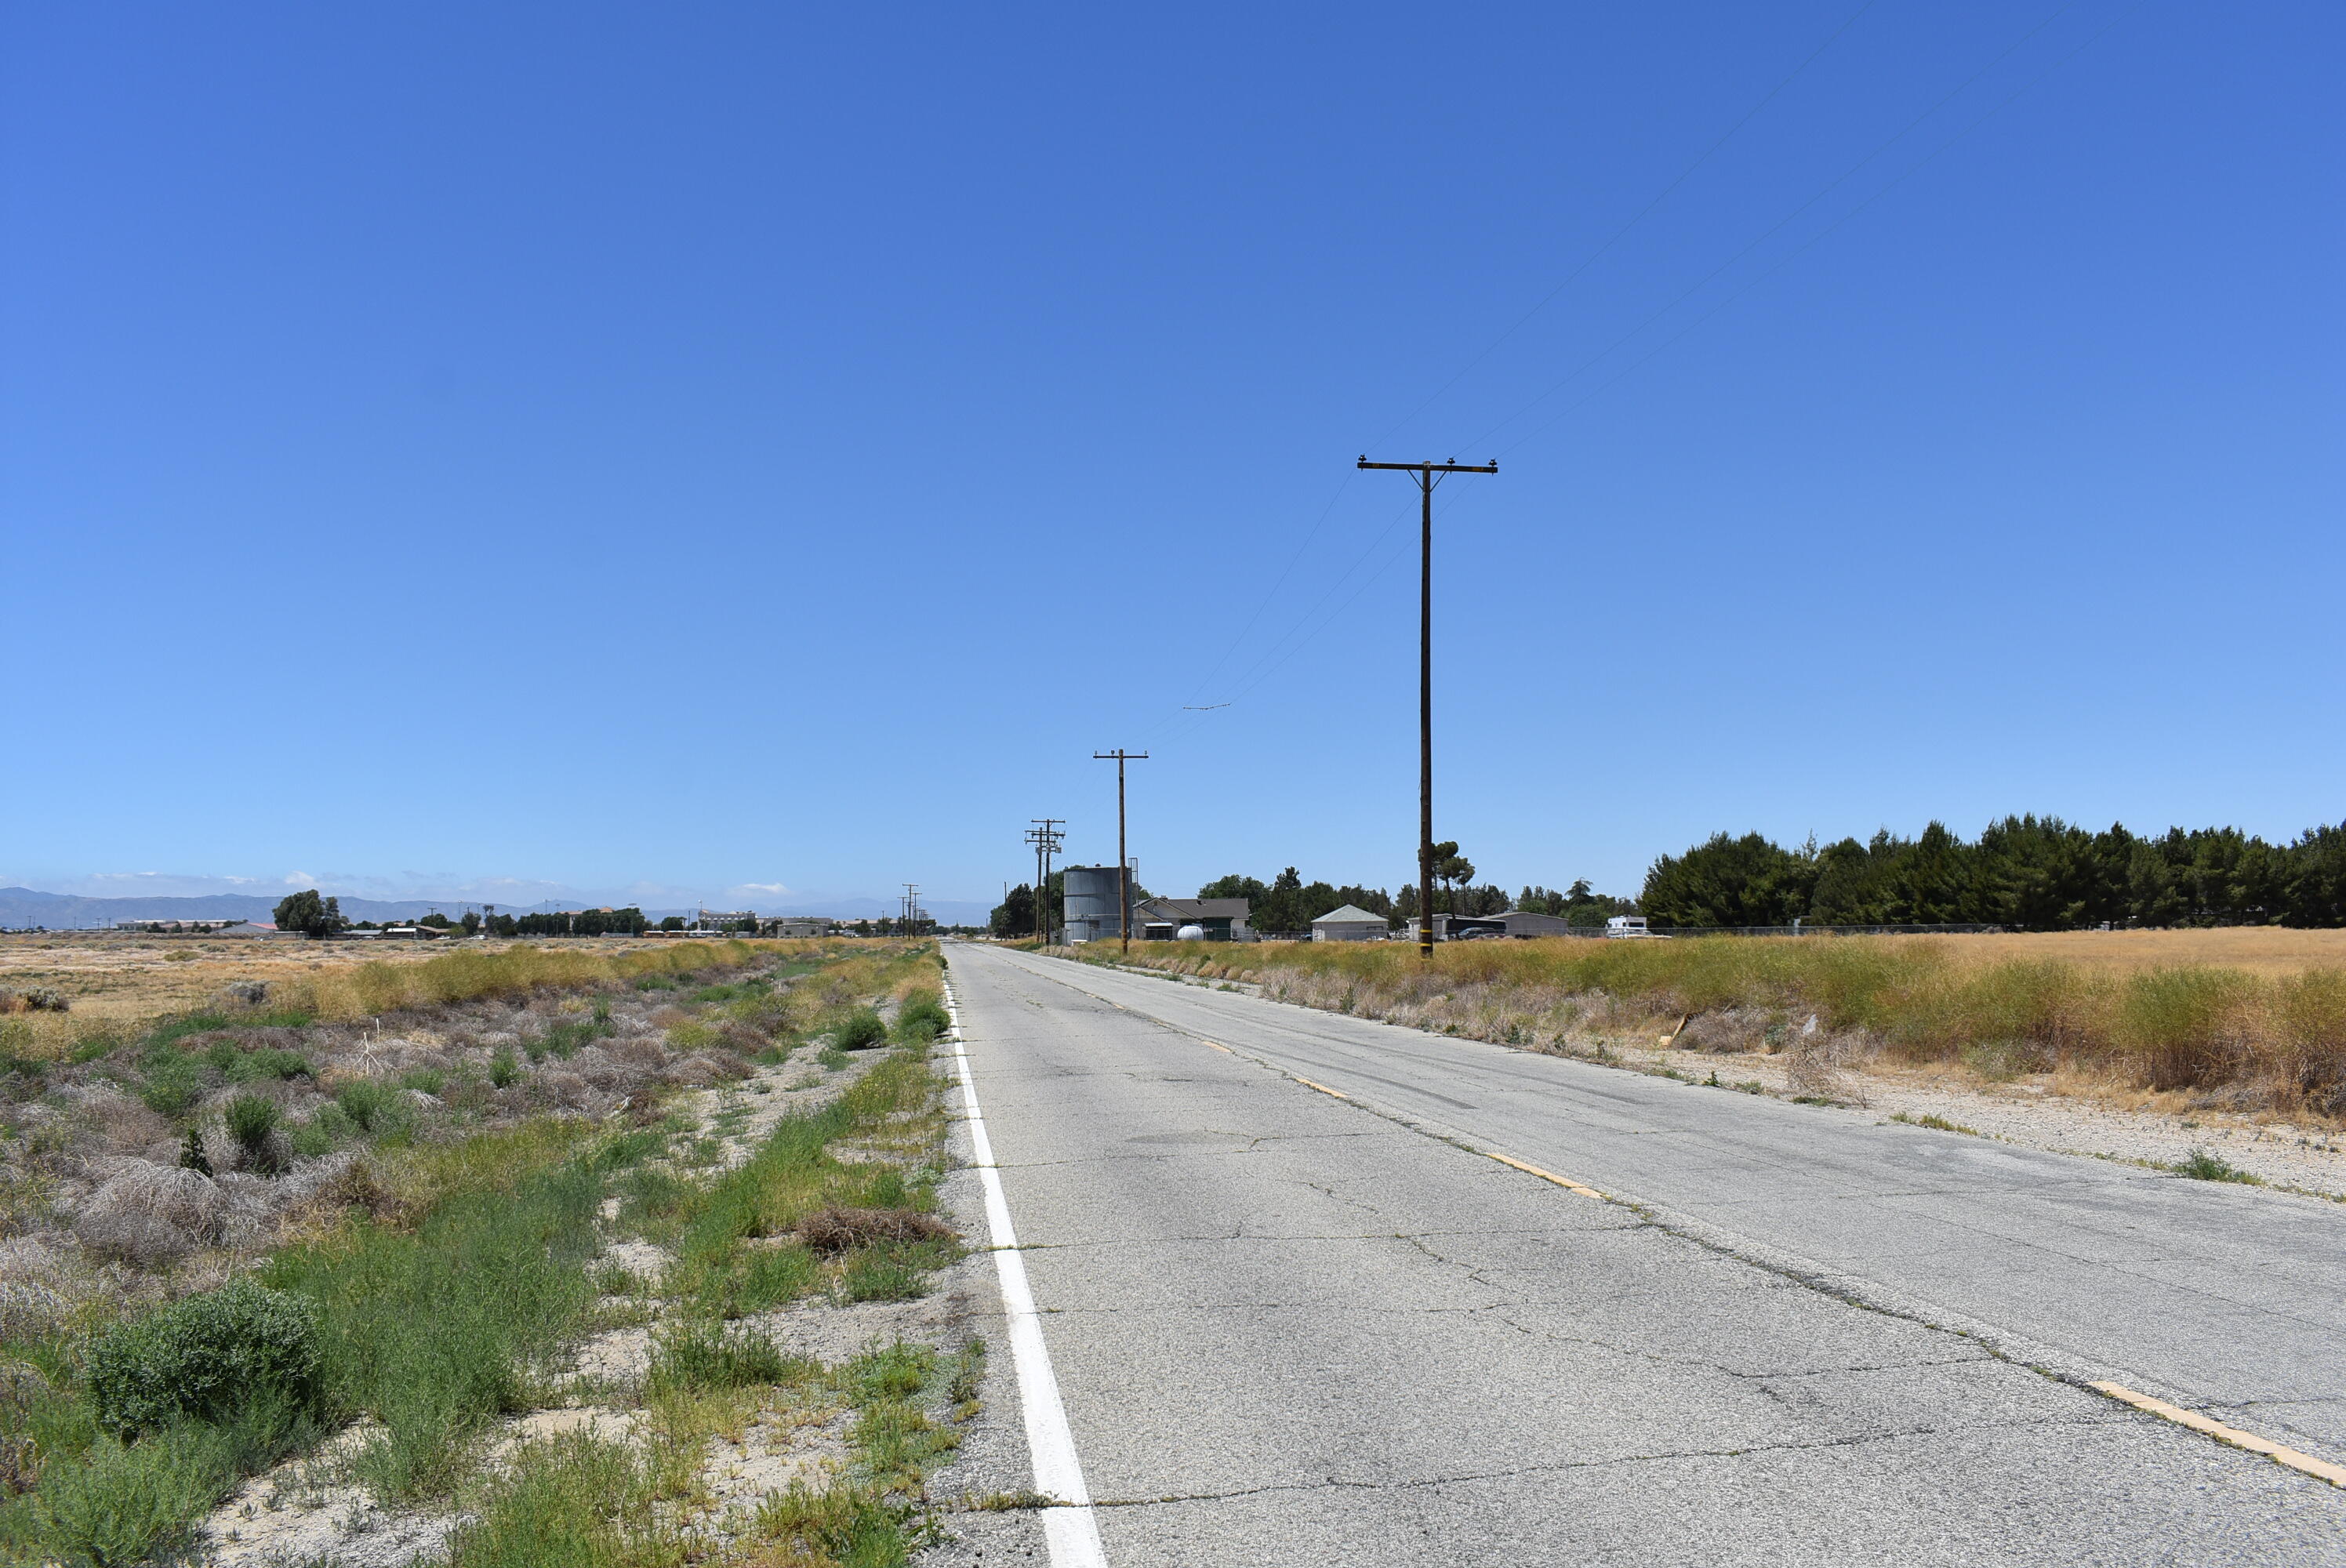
x,y
1190,933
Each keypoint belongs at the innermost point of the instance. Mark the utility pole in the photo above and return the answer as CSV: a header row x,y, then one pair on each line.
x,y
1427,480
1044,836
1123,866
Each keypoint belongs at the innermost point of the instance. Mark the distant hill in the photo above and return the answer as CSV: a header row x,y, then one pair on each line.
x,y
24,907
21,907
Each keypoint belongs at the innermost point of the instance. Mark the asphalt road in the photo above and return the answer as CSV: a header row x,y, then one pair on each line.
x,y
1289,1328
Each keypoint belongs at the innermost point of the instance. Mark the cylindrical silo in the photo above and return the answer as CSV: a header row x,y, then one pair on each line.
x,y
1090,904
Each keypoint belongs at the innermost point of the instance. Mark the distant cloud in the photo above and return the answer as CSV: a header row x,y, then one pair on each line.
x,y
770,889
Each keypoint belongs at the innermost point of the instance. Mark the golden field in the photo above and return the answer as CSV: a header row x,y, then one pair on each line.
x,y
2251,1018
115,984
2267,950
127,978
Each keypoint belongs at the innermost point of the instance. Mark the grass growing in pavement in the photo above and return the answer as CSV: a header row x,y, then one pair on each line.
x,y
1938,1123
2204,1165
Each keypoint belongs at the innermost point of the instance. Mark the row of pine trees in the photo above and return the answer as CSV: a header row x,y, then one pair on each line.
x,y
2025,873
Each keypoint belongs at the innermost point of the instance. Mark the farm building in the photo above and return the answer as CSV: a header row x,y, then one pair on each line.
x,y
1510,922
1348,923
1161,920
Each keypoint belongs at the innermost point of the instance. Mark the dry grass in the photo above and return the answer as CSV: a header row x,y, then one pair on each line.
x,y
116,984
2268,949
2229,1036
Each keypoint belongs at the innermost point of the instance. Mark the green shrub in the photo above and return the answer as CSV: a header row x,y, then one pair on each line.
x,y
880,1275
434,1329
601,1011
843,1524
564,1040
172,1085
708,1356
250,1119
859,1030
122,1505
2205,1165
563,1502
922,1018
365,1102
176,1029
99,1040
503,1071
423,1080
257,1066
313,1138
206,1357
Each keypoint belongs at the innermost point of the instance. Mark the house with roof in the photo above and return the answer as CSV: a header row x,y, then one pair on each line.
x,y
1162,919
1349,923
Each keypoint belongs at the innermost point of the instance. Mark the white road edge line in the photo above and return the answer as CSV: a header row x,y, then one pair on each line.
x,y
1072,1533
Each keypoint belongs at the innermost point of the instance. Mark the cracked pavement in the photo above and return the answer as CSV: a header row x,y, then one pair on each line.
x,y
1290,1328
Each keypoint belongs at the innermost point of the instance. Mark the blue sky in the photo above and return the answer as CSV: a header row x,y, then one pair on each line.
x,y
693,448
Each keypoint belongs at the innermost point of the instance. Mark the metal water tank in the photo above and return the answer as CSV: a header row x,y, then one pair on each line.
x,y
1190,933
1090,901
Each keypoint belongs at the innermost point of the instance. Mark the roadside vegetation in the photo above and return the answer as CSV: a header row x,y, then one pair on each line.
x,y
256,1226
2225,1037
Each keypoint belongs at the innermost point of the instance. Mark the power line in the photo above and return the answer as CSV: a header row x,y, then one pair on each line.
x,y
1046,837
1777,226
1270,595
1818,238
1621,233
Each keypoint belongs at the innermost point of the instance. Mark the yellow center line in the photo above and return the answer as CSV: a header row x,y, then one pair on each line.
x,y
1223,1049
1322,1087
2334,1474
1564,1182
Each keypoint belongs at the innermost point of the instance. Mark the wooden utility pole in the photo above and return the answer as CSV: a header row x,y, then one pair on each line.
x,y
1123,865
1045,837
1427,480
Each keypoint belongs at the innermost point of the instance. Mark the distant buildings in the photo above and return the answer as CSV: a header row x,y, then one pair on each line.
x,y
1162,919
797,926
1349,922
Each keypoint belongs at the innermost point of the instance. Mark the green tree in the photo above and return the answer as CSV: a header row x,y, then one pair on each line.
x,y
1280,910
1235,886
1014,915
1725,881
308,913
2315,894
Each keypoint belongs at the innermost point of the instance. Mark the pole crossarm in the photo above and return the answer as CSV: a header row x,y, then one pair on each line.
x,y
1046,837
1490,467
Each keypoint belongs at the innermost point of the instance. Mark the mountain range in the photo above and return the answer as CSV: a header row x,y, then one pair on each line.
x,y
22,908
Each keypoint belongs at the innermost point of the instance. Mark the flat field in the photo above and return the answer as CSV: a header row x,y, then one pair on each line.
x,y
2240,1018
128,978
2268,949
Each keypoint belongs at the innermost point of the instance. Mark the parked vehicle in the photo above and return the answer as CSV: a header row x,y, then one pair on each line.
x,y
1626,926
